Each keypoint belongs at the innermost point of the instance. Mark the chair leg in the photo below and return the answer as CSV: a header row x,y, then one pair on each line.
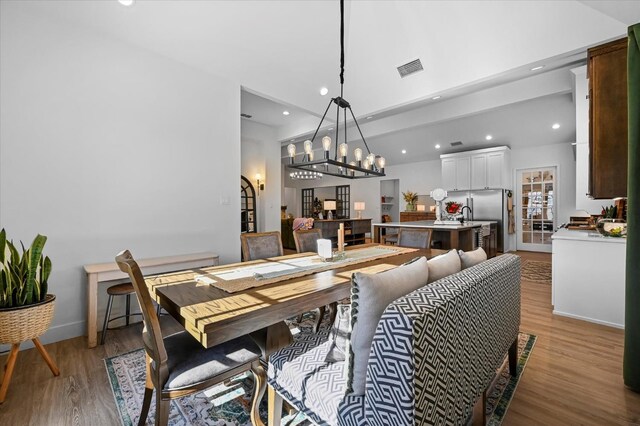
x,y
513,358
319,317
128,311
162,410
107,315
260,385
52,365
148,394
8,371
299,318
333,311
274,408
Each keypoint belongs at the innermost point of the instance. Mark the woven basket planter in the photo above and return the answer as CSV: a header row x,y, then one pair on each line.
x,y
26,322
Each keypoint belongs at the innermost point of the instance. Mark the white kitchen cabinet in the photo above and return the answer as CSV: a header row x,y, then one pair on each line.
x,y
456,174
488,168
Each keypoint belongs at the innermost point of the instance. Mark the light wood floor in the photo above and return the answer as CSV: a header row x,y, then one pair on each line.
x,y
574,375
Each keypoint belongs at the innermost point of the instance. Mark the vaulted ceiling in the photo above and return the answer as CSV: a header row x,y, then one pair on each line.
x,y
288,50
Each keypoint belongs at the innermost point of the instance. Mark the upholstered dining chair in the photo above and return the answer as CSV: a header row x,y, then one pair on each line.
x,y
414,238
177,365
261,245
307,241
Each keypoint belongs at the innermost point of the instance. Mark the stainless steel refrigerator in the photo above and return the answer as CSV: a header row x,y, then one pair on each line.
x,y
487,204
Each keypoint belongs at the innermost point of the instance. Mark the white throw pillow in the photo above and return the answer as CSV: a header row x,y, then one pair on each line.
x,y
370,295
444,265
472,258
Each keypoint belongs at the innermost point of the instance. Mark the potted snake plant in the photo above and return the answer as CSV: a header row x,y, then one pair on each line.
x,y
26,309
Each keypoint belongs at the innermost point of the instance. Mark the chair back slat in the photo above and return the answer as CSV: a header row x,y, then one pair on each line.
x,y
151,334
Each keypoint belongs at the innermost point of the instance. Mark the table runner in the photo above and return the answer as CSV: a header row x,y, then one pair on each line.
x,y
240,278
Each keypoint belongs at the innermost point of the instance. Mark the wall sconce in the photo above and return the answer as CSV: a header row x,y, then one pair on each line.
x,y
358,206
259,185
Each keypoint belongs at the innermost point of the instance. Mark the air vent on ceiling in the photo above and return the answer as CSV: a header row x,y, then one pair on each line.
x,y
410,68
457,143
245,115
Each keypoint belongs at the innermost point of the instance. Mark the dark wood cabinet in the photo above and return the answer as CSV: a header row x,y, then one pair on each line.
x,y
355,230
490,242
608,128
413,216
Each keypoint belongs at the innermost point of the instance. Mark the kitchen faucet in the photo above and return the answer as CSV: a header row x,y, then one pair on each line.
x,y
470,214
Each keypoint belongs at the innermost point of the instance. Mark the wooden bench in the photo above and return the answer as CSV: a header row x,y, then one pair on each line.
x,y
108,272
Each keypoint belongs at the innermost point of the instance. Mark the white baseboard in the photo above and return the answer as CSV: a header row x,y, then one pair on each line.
x,y
596,321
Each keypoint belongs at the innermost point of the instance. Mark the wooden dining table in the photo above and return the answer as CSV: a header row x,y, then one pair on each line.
x,y
213,316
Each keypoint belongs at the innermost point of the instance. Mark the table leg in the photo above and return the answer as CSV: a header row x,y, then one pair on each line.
x,y
376,234
92,310
272,338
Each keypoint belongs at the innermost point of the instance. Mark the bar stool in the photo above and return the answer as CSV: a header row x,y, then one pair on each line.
x,y
125,289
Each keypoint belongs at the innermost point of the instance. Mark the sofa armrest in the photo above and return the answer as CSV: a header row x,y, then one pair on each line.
x,y
436,349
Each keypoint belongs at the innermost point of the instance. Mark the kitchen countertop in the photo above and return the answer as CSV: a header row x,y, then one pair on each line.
x,y
430,225
593,236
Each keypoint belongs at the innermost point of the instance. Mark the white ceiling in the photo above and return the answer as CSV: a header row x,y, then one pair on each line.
x,y
269,112
287,50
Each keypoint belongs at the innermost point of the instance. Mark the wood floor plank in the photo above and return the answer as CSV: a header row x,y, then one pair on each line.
x,y
574,374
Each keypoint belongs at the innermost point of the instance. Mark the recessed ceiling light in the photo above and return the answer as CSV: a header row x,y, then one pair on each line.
x,y
285,112
292,140
574,143
126,2
539,67
404,151
488,137
370,117
324,91
555,126
437,146
435,98
330,128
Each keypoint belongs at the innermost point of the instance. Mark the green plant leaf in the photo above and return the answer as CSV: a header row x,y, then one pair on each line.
x,y
3,244
35,252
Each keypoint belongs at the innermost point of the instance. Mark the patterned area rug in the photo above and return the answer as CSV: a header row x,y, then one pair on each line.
x,y
536,271
228,405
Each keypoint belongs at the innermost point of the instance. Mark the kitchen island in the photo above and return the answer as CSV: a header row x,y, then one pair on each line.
x,y
460,236
588,276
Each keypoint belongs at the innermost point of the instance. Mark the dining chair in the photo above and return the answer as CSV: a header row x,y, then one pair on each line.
x,y
178,365
414,238
261,245
307,241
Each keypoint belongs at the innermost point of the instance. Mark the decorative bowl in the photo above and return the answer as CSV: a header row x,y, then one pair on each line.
x,y
612,227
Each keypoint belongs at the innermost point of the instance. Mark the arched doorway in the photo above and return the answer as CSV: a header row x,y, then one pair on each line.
x,y
247,206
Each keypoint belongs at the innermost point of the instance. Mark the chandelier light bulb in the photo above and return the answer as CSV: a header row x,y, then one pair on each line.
x,y
326,143
344,148
291,149
307,147
371,159
358,154
365,164
381,162
311,157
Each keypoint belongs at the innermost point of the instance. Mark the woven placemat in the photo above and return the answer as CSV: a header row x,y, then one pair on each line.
x,y
313,264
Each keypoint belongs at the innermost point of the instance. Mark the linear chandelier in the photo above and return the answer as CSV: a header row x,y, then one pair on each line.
x,y
367,166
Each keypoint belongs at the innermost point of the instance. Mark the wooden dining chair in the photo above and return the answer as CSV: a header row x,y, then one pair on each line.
x,y
414,238
178,365
261,245
307,239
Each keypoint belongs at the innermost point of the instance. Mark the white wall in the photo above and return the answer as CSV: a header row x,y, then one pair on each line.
x,y
260,153
105,147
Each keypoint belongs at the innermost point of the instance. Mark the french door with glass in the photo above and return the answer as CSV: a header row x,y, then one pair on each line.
x,y
537,211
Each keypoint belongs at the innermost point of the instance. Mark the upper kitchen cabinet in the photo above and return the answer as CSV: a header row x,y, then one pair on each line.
x,y
488,168
456,173
608,120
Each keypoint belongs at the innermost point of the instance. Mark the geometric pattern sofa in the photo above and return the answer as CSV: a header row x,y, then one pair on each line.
x,y
434,353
